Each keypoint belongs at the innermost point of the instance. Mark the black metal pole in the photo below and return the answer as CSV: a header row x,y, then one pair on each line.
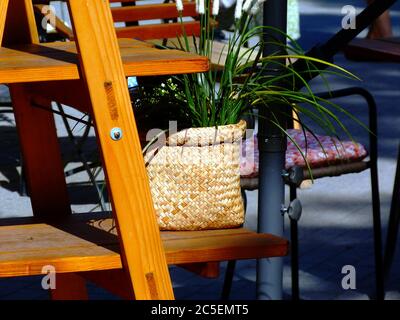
x,y
272,142
272,145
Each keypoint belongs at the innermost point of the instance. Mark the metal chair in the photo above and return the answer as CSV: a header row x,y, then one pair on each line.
x,y
296,175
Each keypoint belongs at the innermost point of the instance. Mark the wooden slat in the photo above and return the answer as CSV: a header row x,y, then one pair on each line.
x,y
157,31
221,245
58,61
71,93
152,11
3,12
204,269
78,247
69,286
125,1
219,51
42,161
44,175
142,252
24,250
184,247
115,281
20,23
17,66
212,245
44,169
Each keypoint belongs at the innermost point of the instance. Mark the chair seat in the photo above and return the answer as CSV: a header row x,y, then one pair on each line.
x,y
325,151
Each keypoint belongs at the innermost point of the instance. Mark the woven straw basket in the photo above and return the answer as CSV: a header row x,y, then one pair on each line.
x,y
195,179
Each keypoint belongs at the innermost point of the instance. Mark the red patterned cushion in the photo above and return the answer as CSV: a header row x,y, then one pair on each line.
x,y
332,152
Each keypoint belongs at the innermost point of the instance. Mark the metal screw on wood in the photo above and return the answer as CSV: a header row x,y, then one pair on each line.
x,y
116,134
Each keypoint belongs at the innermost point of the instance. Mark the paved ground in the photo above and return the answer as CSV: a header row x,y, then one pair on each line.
x,y
335,229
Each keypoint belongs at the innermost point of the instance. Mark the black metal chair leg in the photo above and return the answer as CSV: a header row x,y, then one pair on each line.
x,y
244,197
294,250
373,145
23,189
376,214
393,224
230,271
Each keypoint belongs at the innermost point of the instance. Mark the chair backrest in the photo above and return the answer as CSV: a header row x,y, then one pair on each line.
x,y
144,19
147,20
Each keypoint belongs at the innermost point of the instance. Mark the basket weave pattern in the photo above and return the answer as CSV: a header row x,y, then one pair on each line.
x,y
195,179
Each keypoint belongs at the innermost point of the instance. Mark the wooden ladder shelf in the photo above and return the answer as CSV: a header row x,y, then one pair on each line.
x,y
132,259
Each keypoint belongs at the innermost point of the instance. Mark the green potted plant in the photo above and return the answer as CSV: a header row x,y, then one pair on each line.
x,y
194,173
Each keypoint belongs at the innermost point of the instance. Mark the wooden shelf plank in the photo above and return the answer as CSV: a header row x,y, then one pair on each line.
x,y
59,61
26,249
219,51
88,243
152,11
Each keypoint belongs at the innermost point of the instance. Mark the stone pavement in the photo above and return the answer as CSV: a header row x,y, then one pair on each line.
x,y
335,229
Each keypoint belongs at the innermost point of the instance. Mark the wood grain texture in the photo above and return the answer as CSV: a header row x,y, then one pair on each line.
x,y
115,281
157,31
44,169
152,11
69,287
88,243
29,248
219,51
184,247
102,68
71,93
42,161
82,247
59,61
140,13
222,245
205,269
20,23
3,13
125,1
